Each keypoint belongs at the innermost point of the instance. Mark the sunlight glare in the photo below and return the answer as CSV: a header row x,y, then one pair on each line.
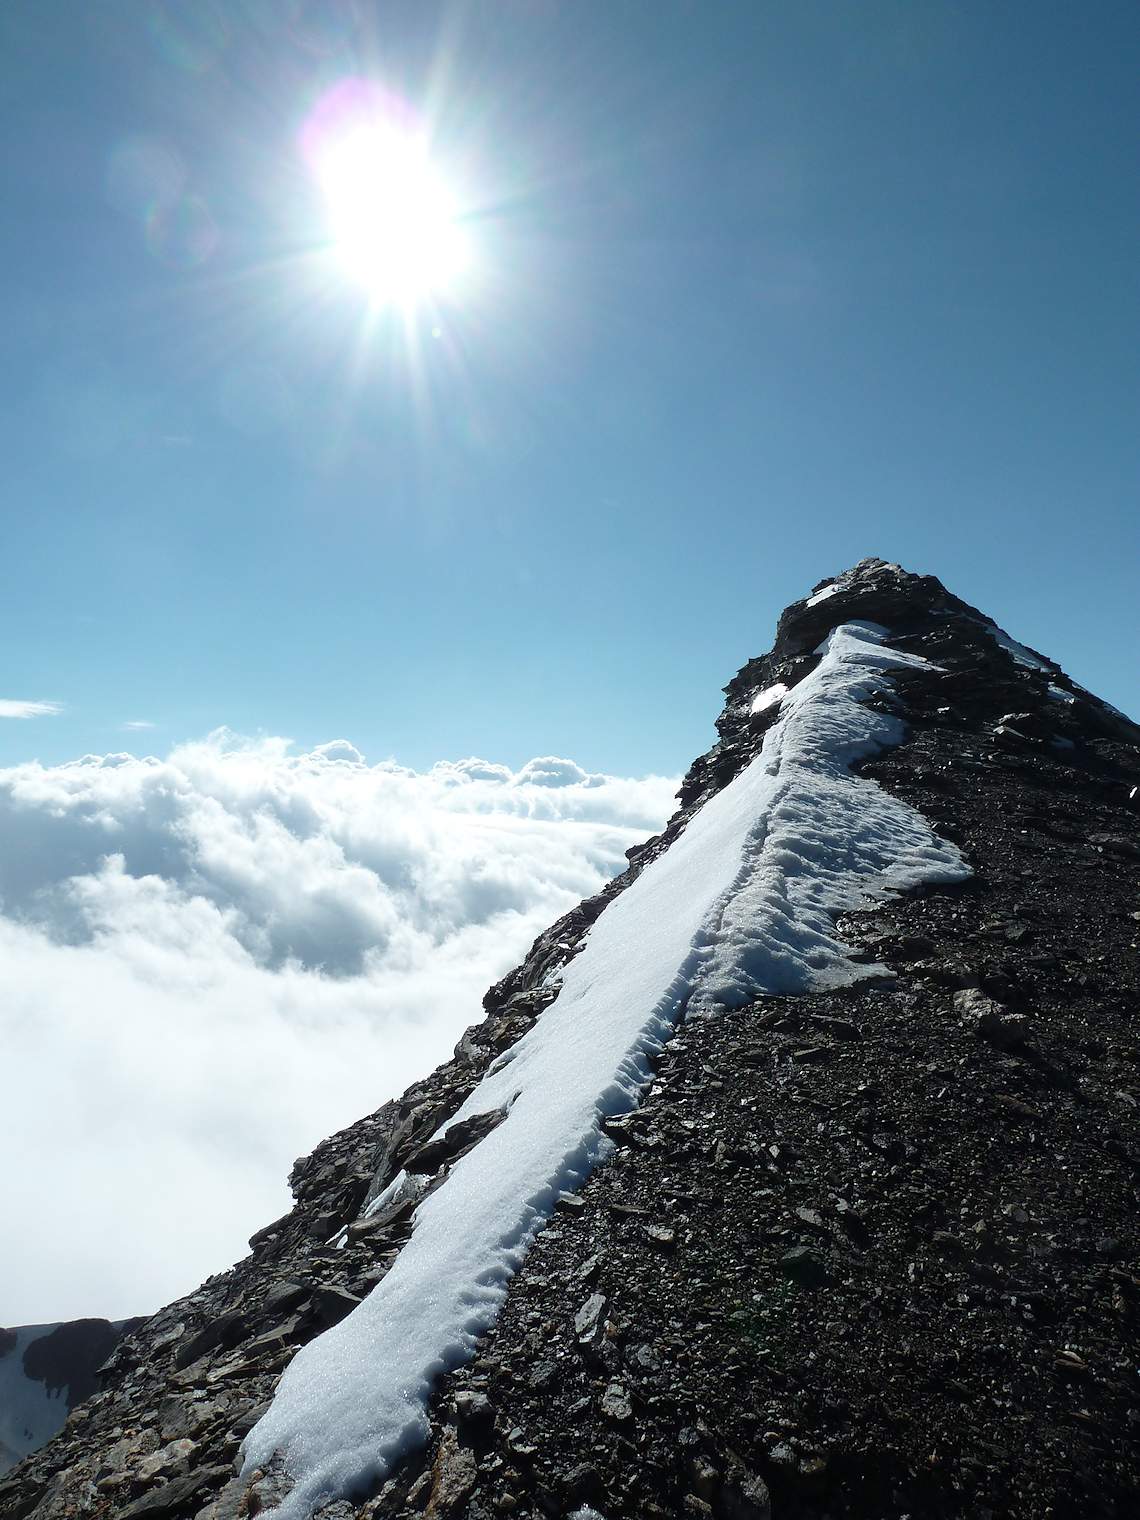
x,y
393,221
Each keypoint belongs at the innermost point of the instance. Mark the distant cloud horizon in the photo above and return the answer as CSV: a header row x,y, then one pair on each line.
x,y
215,959
13,708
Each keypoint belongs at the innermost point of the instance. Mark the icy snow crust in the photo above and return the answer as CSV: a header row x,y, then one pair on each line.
x,y
742,903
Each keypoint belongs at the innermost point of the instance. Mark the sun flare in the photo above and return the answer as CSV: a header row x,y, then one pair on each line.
x,y
393,221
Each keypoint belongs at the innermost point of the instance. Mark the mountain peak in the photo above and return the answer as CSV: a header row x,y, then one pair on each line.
x,y
790,1171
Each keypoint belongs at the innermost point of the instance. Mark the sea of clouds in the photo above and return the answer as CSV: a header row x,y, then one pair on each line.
x,y
213,960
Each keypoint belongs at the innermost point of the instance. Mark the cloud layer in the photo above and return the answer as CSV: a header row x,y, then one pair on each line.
x,y
215,959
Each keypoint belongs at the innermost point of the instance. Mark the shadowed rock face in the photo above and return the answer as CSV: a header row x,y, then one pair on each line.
x,y
860,1253
66,1359
45,1371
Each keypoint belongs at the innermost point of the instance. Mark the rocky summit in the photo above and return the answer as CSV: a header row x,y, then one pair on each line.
x,y
862,1242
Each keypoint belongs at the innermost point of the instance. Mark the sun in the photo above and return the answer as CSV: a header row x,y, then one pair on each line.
x,y
394,224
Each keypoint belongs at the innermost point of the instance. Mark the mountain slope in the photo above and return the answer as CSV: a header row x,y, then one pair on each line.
x,y
864,1247
45,1371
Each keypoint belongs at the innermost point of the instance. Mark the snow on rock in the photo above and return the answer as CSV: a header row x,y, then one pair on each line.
x,y
824,840
1100,702
1018,652
823,593
45,1370
742,903
30,1412
769,697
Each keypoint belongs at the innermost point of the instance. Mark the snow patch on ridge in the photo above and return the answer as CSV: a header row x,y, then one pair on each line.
x,y
823,594
824,841
741,904
1018,652
769,697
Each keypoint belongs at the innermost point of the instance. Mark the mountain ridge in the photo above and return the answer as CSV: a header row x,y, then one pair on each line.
x,y
989,724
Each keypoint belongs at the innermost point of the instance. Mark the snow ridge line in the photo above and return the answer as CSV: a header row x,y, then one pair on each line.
x,y
741,904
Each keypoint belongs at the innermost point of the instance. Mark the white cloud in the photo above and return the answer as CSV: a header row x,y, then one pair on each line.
x,y
11,708
215,959
549,770
135,724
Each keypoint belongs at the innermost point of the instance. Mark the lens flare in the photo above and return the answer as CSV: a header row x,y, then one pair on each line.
x,y
182,235
142,173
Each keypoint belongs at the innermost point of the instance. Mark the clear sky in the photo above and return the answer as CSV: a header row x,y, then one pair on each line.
x,y
750,290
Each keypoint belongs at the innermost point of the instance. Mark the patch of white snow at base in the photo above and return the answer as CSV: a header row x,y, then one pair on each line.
x,y
769,697
741,903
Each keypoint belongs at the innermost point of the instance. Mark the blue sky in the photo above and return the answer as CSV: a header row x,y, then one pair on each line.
x,y
756,289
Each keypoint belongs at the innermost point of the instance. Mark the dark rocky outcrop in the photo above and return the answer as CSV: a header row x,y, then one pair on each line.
x,y
45,1371
862,1253
68,1357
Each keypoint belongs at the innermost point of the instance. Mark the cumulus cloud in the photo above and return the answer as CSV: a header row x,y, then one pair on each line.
x,y
10,707
215,959
549,770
